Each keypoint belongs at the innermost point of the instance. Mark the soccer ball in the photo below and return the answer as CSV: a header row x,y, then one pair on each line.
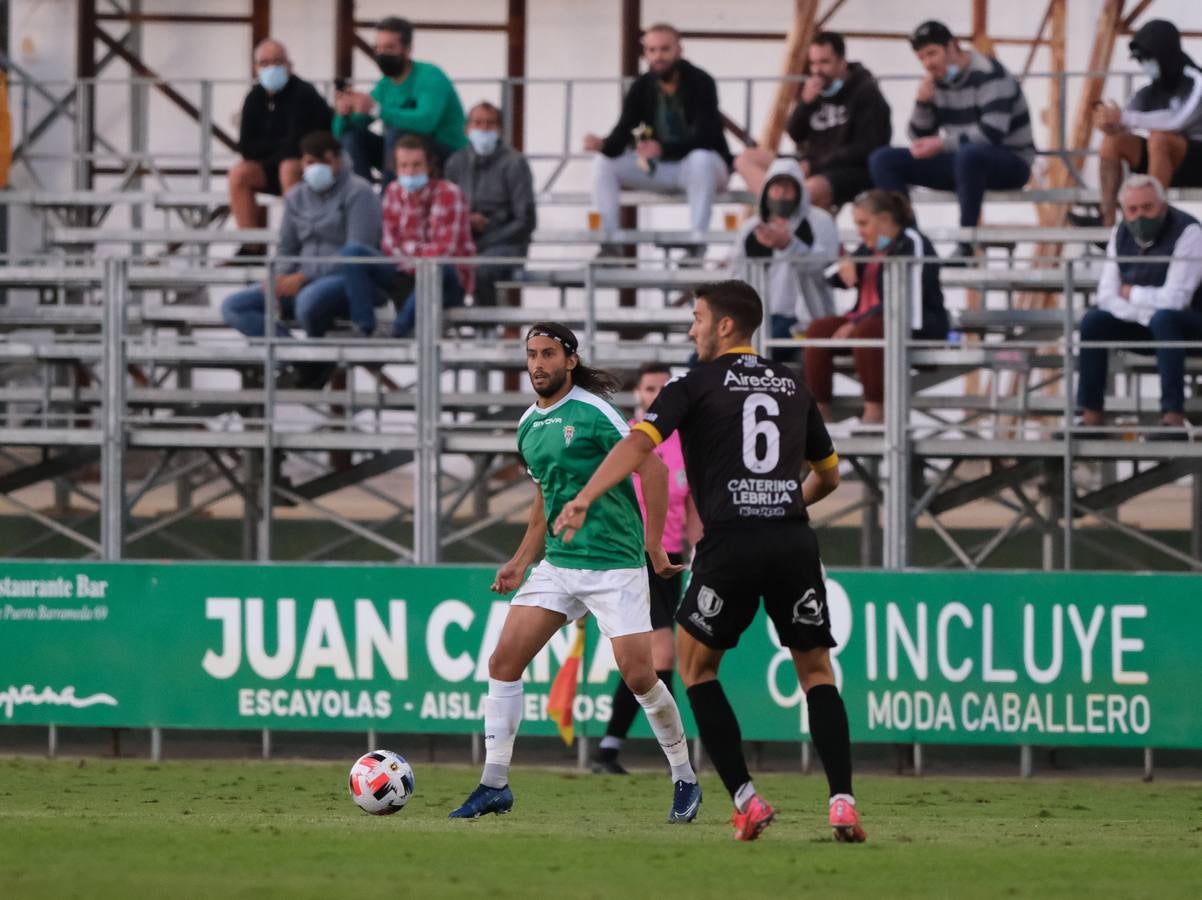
x,y
381,782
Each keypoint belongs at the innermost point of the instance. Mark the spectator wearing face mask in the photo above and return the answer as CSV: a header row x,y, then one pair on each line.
x,y
279,110
970,130
797,241
499,187
1168,110
332,212
425,216
412,98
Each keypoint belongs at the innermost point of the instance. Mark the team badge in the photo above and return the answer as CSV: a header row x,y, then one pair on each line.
x,y
568,432
806,611
709,604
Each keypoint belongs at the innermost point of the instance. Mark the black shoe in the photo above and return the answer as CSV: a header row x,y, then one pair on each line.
x,y
1183,433
247,255
606,763
609,250
1091,219
1083,432
963,256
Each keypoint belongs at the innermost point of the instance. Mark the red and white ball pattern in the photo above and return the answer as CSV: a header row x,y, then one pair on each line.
x,y
381,782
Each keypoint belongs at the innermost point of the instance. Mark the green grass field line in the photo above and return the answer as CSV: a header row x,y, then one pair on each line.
x,y
121,829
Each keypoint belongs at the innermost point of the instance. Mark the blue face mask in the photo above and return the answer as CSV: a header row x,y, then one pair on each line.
x,y
883,241
833,88
319,177
483,142
1151,68
412,183
953,72
273,78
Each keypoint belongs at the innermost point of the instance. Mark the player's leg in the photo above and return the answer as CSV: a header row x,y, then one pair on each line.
x,y
620,601
832,738
536,613
665,597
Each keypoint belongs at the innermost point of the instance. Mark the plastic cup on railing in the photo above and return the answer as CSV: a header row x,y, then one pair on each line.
x,y
594,220
731,221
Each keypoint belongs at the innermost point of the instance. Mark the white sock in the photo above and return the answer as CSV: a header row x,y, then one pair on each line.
x,y
851,801
664,717
743,796
611,742
502,713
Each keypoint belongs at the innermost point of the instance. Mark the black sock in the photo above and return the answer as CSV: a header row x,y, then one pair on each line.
x,y
665,675
720,733
829,729
625,709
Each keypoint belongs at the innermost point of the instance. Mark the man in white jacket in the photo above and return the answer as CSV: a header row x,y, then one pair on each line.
x,y
797,241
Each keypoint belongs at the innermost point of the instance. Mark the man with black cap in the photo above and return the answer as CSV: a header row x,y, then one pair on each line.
x,y
1168,110
562,438
970,130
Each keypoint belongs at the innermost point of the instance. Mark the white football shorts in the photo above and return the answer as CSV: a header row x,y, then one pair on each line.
x,y
620,599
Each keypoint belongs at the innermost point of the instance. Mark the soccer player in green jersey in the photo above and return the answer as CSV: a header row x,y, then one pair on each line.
x,y
562,439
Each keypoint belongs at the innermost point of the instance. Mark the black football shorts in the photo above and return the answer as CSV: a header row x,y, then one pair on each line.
x,y
734,568
665,594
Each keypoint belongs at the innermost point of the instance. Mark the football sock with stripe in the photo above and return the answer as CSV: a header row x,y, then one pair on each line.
x,y
664,717
502,713
832,738
720,733
625,708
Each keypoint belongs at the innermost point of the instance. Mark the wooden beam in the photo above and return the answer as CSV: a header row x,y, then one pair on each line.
x,y
344,38
1043,25
1129,19
515,67
260,22
805,14
630,31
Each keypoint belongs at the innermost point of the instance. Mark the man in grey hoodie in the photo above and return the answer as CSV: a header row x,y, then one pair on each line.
x,y
332,212
797,242
499,187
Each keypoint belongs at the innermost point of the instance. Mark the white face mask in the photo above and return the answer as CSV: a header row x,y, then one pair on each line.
x,y
483,142
1151,68
319,177
273,78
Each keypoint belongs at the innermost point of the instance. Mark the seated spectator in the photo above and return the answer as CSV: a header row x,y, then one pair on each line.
x,y
499,187
332,211
884,221
276,114
1169,109
412,98
1145,301
970,130
800,240
841,117
668,138
424,216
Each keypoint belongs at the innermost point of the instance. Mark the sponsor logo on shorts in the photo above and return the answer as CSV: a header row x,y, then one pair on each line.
x,y
709,604
807,611
699,620
568,432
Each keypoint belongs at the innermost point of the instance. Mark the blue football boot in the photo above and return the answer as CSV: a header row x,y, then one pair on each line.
x,y
686,801
485,800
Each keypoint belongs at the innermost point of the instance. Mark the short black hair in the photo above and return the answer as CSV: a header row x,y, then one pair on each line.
x,y
736,300
416,142
831,39
653,368
484,104
319,143
398,26
932,31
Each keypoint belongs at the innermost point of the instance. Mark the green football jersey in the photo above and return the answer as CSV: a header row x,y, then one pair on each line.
x,y
562,446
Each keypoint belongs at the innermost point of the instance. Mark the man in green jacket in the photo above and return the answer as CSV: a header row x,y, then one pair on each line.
x,y
413,98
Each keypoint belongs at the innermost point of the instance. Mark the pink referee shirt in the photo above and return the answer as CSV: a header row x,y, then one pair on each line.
x,y
672,456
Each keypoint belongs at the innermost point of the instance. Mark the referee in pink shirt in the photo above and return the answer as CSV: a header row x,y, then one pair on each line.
x,y
681,527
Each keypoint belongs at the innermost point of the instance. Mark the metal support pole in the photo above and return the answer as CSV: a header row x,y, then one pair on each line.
x,y
897,414
112,452
52,741
1149,774
1195,531
476,748
156,744
206,135
806,762
1025,764
263,549
1069,367
426,469
582,753
918,760
698,754
266,738
371,739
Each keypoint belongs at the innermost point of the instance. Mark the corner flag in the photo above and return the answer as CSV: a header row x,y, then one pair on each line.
x,y
563,688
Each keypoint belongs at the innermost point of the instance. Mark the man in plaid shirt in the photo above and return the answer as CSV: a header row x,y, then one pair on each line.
x,y
423,217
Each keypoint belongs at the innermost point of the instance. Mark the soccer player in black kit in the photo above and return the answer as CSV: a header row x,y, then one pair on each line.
x,y
749,428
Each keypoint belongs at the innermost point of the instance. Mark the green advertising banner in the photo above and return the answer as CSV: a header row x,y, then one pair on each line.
x,y
980,658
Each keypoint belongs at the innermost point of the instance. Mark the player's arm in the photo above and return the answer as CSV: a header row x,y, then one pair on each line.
x,y
820,482
627,456
693,529
653,477
509,576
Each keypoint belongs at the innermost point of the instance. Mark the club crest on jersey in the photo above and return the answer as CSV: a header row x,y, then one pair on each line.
x,y
806,611
568,432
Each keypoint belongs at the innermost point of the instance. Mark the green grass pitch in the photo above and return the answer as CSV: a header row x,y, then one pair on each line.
x,y
103,828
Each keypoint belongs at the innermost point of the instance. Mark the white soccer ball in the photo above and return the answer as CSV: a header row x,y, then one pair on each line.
x,y
381,782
